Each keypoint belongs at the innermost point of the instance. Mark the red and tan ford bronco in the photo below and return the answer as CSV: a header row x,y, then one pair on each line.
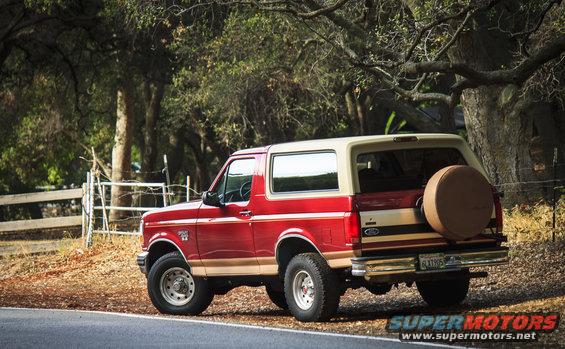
x,y
310,219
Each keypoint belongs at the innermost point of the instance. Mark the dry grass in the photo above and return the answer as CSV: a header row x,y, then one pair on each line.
x,y
534,222
117,251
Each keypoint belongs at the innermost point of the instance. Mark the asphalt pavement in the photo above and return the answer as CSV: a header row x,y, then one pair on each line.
x,y
45,328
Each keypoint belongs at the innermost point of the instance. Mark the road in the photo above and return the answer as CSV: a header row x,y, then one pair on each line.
x,y
43,328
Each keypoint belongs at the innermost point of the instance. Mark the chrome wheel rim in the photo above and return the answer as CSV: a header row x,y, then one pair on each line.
x,y
303,290
177,286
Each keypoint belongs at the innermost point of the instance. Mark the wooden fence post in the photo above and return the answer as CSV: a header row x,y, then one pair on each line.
x,y
101,192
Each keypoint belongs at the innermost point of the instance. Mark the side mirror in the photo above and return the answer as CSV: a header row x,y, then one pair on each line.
x,y
211,199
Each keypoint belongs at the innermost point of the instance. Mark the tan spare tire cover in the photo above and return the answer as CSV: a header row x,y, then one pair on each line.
x,y
458,202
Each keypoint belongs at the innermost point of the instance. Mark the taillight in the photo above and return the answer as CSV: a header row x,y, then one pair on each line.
x,y
352,228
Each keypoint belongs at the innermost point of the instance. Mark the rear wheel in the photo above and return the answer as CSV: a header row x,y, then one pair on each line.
x,y
378,289
174,290
311,288
442,293
276,296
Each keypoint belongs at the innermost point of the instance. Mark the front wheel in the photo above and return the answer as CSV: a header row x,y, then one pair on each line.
x,y
311,288
174,290
442,293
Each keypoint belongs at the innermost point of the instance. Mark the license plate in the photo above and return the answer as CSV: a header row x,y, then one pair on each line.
x,y
432,261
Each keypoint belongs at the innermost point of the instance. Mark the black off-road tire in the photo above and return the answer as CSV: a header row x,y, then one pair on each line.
x,y
378,289
444,293
277,297
326,288
200,300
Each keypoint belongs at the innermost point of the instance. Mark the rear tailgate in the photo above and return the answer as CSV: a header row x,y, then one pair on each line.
x,y
390,182
393,220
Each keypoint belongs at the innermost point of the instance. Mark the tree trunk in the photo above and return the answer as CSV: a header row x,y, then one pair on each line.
x,y
447,121
352,112
197,145
500,119
121,152
153,109
499,130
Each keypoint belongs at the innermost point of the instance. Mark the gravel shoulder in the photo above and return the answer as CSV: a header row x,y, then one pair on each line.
x,y
106,278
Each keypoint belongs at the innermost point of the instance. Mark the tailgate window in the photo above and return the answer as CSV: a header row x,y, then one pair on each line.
x,y
404,169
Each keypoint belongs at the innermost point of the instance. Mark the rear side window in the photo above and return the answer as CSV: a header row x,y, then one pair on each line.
x,y
403,169
304,172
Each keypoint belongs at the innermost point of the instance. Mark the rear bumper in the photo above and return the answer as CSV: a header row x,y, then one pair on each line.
x,y
454,260
142,261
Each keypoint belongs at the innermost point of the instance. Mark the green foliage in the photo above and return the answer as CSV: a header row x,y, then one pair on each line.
x,y
257,82
234,77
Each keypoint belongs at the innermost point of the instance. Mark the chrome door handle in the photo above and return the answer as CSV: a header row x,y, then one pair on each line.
x,y
246,213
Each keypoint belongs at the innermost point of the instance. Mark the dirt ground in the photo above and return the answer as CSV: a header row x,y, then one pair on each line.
x,y
107,278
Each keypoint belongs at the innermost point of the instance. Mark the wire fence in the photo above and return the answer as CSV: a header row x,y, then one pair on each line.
x,y
144,197
99,204
545,186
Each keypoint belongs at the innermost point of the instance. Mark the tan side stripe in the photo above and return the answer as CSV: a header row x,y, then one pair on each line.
x,y
340,262
196,267
401,216
267,260
400,237
194,262
382,218
339,254
234,270
272,269
227,262
198,271
268,266
403,246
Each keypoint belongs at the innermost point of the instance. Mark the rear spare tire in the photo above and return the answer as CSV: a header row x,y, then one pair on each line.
x,y
458,202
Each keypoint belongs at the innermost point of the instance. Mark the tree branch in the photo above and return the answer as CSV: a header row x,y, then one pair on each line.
x,y
473,78
388,82
352,28
446,46
540,20
430,26
322,10
464,12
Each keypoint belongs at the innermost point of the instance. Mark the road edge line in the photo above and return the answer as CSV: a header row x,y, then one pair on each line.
x,y
232,324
